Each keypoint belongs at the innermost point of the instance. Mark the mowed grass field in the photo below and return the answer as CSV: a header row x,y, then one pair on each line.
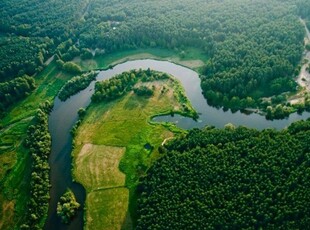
x,y
101,162
99,173
107,209
110,153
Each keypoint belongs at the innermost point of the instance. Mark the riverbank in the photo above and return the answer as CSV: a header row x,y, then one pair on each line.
x,y
128,145
191,58
14,157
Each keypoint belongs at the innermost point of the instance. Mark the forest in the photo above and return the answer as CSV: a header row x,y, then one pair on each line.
x,y
252,52
120,84
254,48
232,178
14,90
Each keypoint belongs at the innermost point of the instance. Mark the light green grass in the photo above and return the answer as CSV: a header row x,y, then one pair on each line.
x,y
97,167
192,58
107,209
125,123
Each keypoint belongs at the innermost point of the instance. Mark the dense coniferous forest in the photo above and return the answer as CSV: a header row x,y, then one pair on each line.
x,y
14,90
235,178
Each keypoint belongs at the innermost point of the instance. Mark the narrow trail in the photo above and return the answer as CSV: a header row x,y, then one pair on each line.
x,y
4,129
167,139
108,188
306,28
303,78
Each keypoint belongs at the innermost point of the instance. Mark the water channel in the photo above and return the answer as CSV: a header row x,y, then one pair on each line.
x,y
64,116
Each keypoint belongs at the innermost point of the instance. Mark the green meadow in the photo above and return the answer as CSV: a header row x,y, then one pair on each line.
x,y
114,146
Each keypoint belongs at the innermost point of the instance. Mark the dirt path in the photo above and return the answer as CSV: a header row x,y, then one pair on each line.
x,y
303,78
48,61
164,142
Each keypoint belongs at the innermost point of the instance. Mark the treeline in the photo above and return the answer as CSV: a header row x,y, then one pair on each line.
x,y
14,90
29,35
76,84
254,48
20,55
120,84
144,91
39,144
67,207
232,178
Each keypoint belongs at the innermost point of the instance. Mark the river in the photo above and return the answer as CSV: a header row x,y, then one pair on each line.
x,y
64,115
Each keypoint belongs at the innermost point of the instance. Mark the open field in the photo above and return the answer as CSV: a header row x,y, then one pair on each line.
x,y
122,123
14,158
107,199
107,209
191,58
100,167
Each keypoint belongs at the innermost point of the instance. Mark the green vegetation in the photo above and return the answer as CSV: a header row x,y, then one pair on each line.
x,y
245,58
122,83
76,84
22,55
143,91
247,54
67,207
72,67
14,90
107,209
107,198
102,147
29,35
15,160
234,178
193,58
39,143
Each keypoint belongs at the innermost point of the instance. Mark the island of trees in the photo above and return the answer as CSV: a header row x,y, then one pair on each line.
x,y
67,207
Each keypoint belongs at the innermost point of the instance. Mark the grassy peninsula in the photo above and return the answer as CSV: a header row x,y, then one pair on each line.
x,y
115,144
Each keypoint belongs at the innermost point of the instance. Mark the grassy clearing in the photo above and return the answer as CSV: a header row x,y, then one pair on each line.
x,y
107,209
14,159
121,123
96,167
191,57
100,167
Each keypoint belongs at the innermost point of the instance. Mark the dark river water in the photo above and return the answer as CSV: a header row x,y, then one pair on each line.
x,y
64,115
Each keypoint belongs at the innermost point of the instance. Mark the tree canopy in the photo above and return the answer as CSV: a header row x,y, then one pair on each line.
x,y
234,178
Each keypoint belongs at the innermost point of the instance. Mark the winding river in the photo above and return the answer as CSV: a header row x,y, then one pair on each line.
x,y
64,115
